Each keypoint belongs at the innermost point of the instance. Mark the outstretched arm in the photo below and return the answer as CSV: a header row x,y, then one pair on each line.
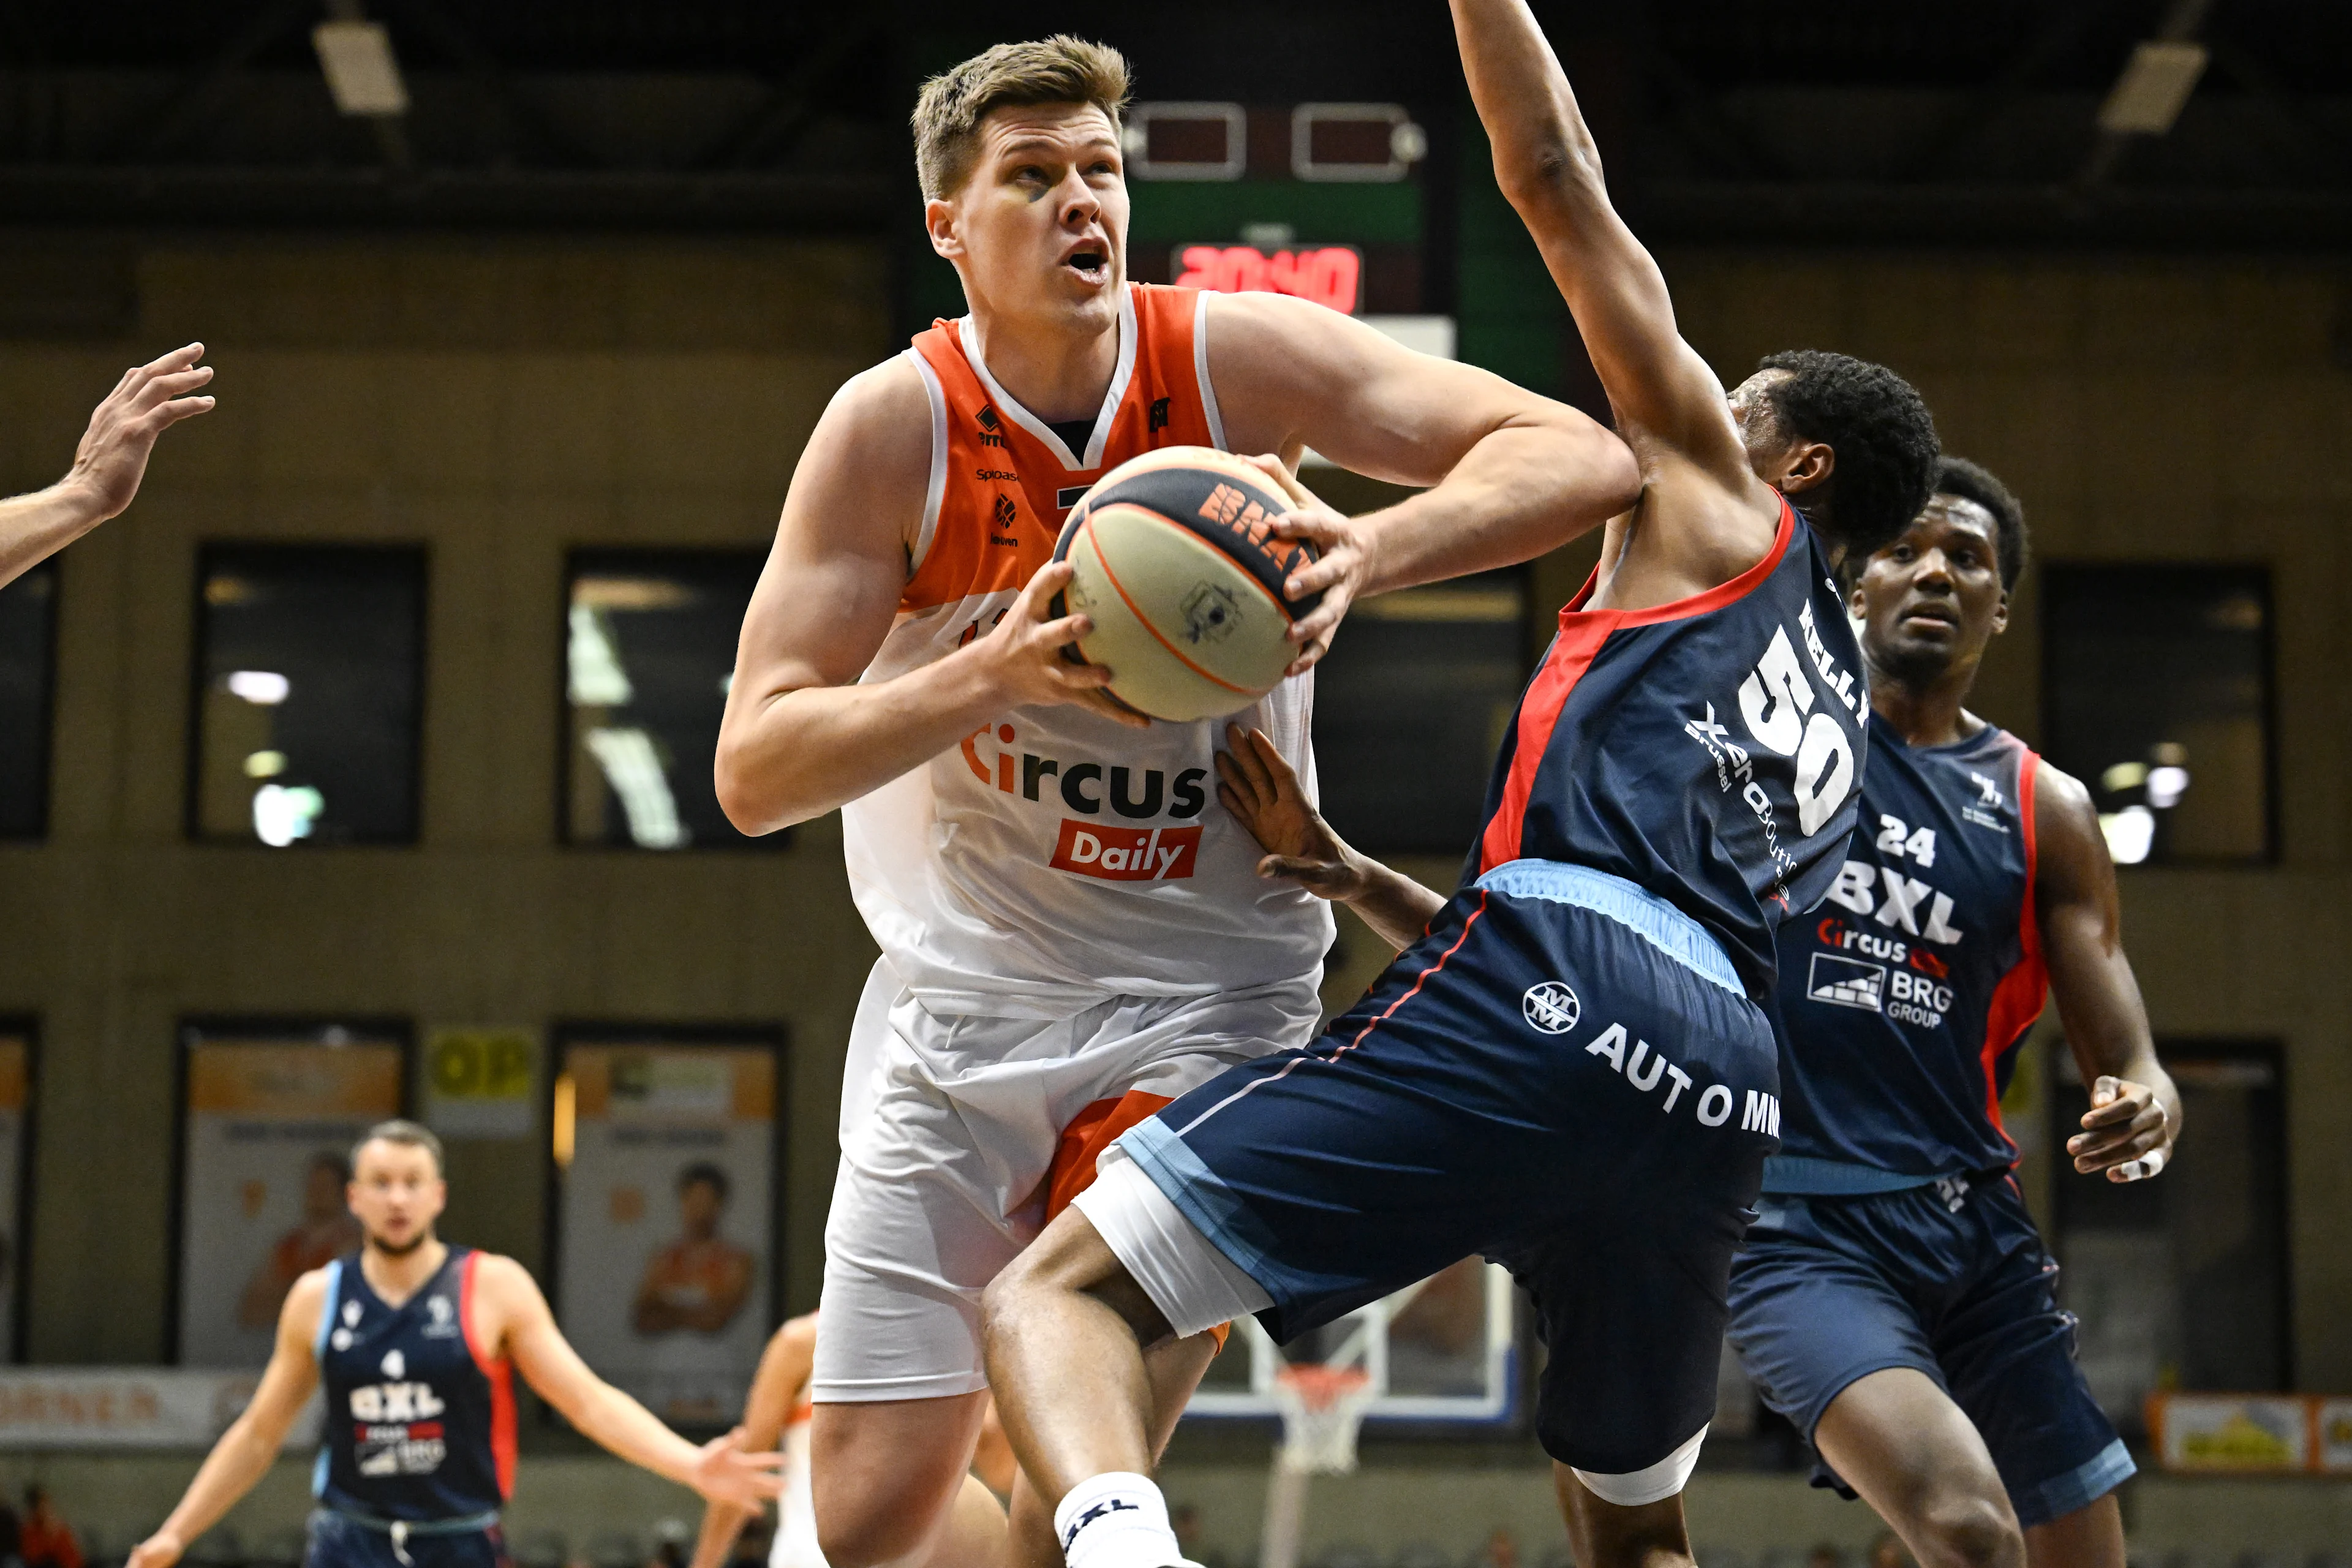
x,y
2135,1110
784,1373
110,462
517,1320
1510,474
1260,789
1544,160
245,1451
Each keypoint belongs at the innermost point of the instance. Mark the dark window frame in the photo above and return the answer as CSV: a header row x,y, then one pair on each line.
x,y
192,793
2270,1051
45,736
775,1037
636,557
189,1031
1537,627
2272,852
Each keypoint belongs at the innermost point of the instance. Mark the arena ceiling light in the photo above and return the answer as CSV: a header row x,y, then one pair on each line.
x,y
361,71
2154,87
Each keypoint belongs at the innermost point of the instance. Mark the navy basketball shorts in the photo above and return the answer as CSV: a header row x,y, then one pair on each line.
x,y
335,1539
1830,1289
1584,1097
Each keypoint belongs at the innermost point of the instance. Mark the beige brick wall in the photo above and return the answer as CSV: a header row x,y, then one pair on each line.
x,y
503,400
499,403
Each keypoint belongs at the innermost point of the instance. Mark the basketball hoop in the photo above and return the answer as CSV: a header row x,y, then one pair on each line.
x,y
1322,1410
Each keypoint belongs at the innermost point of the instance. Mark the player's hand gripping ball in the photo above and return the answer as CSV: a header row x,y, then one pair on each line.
x,y
1174,557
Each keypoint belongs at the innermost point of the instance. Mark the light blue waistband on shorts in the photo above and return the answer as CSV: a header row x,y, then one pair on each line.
x,y
1666,928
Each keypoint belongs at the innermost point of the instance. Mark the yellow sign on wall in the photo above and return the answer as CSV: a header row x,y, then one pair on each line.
x,y
479,1081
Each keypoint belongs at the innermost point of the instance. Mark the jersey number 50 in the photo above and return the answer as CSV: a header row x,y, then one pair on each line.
x,y
1774,699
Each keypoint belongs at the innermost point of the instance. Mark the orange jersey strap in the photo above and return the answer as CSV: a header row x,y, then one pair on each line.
x,y
1003,481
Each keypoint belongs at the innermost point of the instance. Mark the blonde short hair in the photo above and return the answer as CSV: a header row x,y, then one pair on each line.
x,y
1059,70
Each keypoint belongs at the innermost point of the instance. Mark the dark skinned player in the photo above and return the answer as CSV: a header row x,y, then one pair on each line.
x,y
1894,1299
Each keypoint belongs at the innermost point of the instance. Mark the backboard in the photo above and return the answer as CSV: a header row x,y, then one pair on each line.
x,y
1445,1351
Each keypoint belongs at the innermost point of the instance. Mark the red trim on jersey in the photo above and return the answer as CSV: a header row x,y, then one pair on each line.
x,y
2017,999
1419,981
1581,633
500,1373
1572,655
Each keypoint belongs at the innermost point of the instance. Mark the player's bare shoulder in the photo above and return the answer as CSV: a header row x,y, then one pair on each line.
x,y
305,1303
868,461
2069,850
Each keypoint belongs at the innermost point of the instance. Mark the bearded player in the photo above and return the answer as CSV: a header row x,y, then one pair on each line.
x,y
1894,1299
1569,1067
899,660
416,1343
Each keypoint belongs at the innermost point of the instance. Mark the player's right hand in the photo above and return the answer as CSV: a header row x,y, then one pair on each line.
x,y
159,1550
725,1473
112,457
1261,791
1023,653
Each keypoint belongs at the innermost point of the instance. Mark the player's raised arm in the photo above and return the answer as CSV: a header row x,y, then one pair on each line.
x,y
1511,474
2135,1112
776,1385
1665,396
801,735
519,1321
109,463
246,1451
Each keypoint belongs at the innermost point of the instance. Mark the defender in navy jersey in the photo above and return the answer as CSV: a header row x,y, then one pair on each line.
x,y
1568,1068
1892,1298
415,1344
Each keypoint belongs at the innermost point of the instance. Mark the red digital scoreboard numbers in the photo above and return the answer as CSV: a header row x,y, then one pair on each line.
x,y
1330,275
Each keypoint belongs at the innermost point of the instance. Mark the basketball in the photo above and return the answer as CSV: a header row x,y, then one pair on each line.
x,y
1172,556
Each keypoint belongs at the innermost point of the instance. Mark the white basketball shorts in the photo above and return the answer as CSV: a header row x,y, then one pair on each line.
x,y
950,1124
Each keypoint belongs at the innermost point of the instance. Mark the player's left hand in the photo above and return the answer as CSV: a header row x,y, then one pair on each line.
x,y
1261,792
725,1473
2126,1132
1343,565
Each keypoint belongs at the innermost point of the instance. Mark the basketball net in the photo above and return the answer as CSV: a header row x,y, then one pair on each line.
x,y
1322,1408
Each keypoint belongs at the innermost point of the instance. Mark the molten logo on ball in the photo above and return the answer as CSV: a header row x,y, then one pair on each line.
x,y
1211,613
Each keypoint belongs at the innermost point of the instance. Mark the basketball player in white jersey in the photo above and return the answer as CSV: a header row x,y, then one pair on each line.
x,y
900,661
776,1413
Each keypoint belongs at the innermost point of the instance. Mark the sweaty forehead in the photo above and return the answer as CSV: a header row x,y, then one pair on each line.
x,y
1066,126
1945,511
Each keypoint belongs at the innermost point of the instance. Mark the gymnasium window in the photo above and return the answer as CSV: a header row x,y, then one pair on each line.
x,y
1410,706
27,647
310,673
649,650
2182,1282
2158,695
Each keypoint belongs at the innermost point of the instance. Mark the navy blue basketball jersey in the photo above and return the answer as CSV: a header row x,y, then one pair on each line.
x,y
1706,750
1903,998
420,1422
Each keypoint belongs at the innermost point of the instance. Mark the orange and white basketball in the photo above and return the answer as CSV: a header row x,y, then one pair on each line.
x,y
1174,558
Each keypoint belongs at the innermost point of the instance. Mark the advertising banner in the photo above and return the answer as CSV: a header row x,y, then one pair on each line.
x,y
478,1082
269,1124
666,1217
130,1407
16,1097
2233,1433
